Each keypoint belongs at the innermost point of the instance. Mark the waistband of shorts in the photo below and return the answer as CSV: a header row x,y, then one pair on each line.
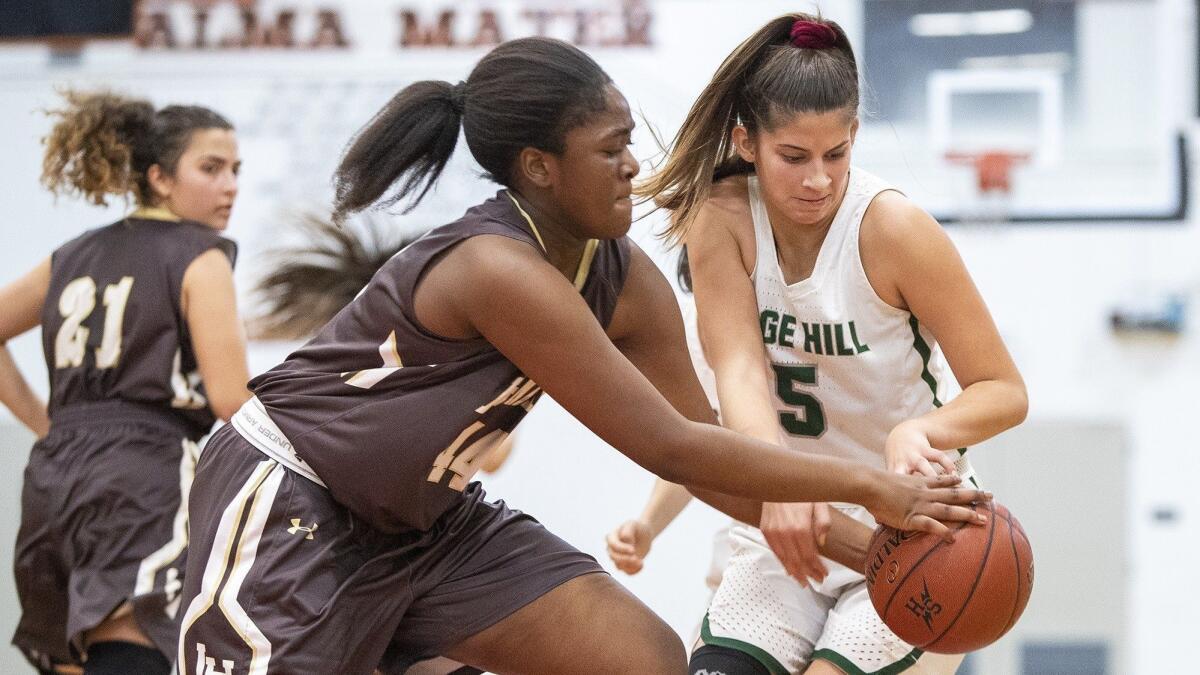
x,y
256,426
115,411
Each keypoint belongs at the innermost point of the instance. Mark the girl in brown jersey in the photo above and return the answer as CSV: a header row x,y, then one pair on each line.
x,y
334,524
144,349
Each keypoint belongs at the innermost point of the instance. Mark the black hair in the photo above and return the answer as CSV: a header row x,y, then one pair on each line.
x,y
524,93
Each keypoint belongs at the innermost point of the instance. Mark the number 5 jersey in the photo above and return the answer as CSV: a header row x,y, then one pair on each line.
x,y
846,366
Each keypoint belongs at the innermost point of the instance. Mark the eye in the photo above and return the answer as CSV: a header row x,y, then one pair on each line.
x,y
792,159
838,155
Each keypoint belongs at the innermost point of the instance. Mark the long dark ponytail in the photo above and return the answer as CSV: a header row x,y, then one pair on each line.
x,y
307,283
524,93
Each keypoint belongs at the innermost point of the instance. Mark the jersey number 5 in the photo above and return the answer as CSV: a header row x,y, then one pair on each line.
x,y
812,425
76,303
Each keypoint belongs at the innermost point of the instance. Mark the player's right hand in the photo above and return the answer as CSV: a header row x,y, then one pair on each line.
x,y
926,504
628,545
795,531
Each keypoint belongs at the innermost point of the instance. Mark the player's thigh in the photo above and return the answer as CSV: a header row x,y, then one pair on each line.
x,y
590,625
823,667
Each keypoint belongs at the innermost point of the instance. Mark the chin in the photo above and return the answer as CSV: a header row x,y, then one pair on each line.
x,y
810,217
619,227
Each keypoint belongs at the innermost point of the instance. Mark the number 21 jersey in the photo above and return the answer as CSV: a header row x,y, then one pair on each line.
x,y
112,326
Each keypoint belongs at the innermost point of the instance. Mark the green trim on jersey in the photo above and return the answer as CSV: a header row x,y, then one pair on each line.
x,y
758,653
926,354
849,668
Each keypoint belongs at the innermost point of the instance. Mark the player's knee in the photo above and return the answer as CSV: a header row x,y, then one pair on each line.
x,y
712,659
651,647
122,658
667,651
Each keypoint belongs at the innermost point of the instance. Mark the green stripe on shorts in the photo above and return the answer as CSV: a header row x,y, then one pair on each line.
x,y
849,668
758,653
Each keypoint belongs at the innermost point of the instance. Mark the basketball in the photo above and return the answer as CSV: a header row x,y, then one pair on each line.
x,y
952,598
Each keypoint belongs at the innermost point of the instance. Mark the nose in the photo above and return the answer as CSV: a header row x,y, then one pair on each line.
x,y
817,177
630,166
231,184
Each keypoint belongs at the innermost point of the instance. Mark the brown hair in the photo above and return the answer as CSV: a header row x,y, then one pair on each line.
x,y
796,63
104,144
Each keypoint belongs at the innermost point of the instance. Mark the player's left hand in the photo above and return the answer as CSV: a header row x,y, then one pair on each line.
x,y
908,451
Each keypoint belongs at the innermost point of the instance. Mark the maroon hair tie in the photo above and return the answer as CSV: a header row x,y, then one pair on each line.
x,y
813,35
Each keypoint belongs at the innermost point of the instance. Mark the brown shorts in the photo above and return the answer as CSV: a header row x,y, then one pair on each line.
x,y
102,524
283,579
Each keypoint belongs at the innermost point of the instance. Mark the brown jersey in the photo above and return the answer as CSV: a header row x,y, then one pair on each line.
x,y
112,327
395,419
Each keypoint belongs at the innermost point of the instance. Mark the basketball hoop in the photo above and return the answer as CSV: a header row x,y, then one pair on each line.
x,y
993,173
993,168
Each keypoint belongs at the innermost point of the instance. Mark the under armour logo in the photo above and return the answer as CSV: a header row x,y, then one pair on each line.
x,y
207,665
297,527
705,671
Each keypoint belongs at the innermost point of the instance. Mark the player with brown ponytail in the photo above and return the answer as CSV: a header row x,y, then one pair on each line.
x,y
144,350
828,305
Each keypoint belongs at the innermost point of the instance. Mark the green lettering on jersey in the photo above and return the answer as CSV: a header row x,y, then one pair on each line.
x,y
840,339
858,347
812,337
769,322
787,330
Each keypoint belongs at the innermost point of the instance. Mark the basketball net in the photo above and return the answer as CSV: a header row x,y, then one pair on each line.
x,y
993,185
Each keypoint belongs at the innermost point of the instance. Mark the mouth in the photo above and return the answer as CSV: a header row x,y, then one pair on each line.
x,y
812,202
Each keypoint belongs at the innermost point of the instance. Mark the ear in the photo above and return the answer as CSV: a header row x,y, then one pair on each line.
x,y
743,143
161,184
536,166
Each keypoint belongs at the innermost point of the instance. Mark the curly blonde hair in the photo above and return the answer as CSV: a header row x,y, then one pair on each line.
x,y
103,144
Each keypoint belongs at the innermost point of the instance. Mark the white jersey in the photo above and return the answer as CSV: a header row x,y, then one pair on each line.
x,y
846,366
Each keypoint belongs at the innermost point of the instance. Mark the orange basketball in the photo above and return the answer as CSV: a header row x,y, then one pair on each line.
x,y
952,598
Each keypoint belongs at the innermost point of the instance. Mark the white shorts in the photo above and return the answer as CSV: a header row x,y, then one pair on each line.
x,y
760,610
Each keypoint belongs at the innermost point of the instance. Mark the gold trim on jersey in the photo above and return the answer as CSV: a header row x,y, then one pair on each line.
x,y
169,553
589,249
155,213
585,263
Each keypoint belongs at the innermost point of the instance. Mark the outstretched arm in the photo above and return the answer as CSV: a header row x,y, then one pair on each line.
x,y
659,351
536,318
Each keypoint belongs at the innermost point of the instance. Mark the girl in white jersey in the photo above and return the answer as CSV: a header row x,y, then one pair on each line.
x,y
826,300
